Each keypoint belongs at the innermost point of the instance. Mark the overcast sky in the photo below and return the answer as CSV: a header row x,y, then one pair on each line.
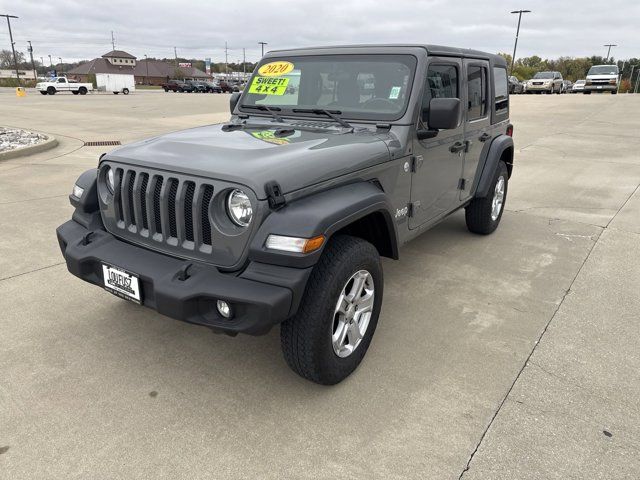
x,y
81,29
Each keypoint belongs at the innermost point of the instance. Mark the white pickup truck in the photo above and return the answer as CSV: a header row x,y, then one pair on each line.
x,y
62,84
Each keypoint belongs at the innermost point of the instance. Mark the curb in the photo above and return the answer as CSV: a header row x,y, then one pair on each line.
x,y
49,143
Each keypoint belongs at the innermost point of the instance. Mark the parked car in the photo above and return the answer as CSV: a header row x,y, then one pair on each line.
x,y
213,87
545,82
578,86
227,87
177,86
211,227
566,86
602,78
62,84
198,86
514,85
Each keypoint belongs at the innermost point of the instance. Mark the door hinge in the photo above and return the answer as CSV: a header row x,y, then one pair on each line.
x,y
413,208
416,163
462,184
274,195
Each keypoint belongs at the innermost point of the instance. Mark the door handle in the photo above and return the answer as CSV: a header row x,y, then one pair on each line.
x,y
457,147
484,137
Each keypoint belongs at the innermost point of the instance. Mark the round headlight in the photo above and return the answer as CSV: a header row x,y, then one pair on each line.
x,y
111,183
239,208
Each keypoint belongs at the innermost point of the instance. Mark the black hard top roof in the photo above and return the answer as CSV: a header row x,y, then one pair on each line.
x,y
438,50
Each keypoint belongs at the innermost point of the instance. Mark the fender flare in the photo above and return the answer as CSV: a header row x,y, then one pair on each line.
x,y
498,147
323,213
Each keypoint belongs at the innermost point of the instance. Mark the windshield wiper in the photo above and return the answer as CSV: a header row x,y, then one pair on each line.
x,y
264,108
329,113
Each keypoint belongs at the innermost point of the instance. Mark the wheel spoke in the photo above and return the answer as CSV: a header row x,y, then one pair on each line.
x,y
340,335
354,333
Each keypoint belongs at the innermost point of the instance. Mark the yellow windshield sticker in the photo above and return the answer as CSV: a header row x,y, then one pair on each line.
x,y
269,136
269,85
275,69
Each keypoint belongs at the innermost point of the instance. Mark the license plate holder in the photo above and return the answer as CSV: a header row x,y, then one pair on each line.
x,y
121,283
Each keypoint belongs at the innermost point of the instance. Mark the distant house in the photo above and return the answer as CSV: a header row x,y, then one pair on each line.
x,y
153,72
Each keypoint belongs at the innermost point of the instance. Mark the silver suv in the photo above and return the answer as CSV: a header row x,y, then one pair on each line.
x,y
545,82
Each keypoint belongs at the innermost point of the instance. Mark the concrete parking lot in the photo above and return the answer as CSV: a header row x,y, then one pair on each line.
x,y
510,356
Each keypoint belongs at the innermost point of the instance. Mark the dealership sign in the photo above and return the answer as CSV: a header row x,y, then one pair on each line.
x,y
185,65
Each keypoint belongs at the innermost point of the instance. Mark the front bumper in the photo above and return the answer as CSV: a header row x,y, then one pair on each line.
x,y
261,296
600,88
539,88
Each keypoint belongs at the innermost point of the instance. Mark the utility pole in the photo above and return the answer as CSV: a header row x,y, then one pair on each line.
x,y
13,49
175,54
609,50
513,58
113,41
244,63
226,58
635,90
42,64
33,64
262,44
61,68
631,77
50,62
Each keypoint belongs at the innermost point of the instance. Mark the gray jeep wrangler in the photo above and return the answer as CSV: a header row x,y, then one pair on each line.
x,y
332,158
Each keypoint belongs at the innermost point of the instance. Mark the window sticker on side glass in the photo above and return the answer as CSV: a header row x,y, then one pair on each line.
x,y
269,85
395,93
275,69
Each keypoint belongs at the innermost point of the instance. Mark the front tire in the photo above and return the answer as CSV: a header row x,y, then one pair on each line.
x,y
125,91
327,338
483,214
51,90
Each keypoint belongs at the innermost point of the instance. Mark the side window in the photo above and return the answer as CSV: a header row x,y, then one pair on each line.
x,y
501,88
441,82
477,92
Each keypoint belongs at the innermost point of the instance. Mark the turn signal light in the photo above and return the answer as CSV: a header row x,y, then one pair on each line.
x,y
294,244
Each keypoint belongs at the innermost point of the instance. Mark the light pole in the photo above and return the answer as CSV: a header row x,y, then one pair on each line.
x,y
146,62
609,50
631,78
50,62
262,44
13,49
62,69
515,46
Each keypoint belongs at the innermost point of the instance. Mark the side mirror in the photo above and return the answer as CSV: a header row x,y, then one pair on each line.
x,y
233,101
444,114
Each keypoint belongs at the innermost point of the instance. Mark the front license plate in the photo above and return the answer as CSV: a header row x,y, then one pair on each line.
x,y
599,87
121,283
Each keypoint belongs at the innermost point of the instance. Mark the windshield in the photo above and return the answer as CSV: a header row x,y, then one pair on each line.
x,y
544,75
367,87
603,70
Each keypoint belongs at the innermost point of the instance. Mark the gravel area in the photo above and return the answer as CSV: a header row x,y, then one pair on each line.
x,y
11,138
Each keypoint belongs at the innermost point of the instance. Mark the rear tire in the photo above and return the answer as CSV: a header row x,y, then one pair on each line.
x,y
483,214
166,90
125,91
614,92
82,91
327,338
43,92
51,90
75,92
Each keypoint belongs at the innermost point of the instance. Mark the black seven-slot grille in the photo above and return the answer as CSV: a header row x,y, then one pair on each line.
x,y
164,208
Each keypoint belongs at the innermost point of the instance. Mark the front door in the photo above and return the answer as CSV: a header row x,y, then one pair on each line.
x,y
437,161
477,122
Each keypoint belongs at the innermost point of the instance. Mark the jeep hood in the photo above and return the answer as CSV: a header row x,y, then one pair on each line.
x,y
254,156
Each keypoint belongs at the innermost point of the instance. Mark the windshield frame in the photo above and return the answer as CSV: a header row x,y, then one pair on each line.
x,y
361,116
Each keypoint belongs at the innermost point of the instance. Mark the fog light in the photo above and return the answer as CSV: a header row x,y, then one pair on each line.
x,y
224,309
78,191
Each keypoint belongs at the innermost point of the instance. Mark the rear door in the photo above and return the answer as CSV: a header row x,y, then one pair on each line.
x,y
477,123
438,160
